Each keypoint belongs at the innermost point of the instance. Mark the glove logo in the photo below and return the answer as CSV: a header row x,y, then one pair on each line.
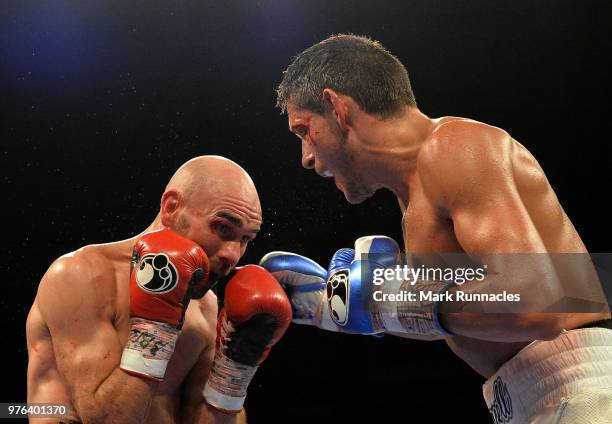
x,y
337,296
501,408
156,273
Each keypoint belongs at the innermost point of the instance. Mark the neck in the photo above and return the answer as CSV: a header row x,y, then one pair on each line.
x,y
155,225
122,250
390,148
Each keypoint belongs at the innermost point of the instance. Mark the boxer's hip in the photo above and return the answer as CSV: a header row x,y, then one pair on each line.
x,y
544,375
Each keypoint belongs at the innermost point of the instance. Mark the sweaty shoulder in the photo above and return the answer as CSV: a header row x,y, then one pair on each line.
x,y
460,153
86,275
463,139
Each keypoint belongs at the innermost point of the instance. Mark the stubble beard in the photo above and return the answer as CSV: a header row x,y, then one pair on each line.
x,y
353,186
181,227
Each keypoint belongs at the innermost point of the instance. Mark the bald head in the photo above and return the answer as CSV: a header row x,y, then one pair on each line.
x,y
213,202
204,178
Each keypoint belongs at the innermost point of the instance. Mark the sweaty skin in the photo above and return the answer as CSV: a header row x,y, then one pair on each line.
x,y
460,203
463,187
79,322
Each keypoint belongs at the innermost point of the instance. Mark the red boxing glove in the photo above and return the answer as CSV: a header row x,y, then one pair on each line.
x,y
255,316
168,271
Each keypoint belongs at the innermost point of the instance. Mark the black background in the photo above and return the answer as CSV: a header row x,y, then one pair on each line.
x,y
102,101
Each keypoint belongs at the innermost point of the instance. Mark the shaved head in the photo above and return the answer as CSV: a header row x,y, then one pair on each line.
x,y
213,202
204,178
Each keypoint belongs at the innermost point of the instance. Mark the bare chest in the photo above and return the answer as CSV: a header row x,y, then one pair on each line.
x,y
424,230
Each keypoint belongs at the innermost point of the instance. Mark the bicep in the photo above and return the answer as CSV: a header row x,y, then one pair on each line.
x,y
86,345
85,362
508,244
496,225
494,220
470,174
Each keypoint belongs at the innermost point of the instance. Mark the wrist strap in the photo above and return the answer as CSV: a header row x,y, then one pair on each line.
x,y
414,310
228,381
149,348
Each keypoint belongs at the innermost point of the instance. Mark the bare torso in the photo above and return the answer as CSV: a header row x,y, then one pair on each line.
x,y
427,229
45,382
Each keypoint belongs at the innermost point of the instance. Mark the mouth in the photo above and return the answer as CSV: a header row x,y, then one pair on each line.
x,y
325,173
213,277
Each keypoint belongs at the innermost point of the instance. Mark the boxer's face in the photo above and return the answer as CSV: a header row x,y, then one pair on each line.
x,y
223,229
328,151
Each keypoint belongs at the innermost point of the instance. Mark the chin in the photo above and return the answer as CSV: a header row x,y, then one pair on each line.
x,y
356,197
355,200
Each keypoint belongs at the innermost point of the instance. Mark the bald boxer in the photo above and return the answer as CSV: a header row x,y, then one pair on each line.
x,y
128,332
463,187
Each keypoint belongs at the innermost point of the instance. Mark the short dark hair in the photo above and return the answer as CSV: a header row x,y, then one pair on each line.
x,y
349,64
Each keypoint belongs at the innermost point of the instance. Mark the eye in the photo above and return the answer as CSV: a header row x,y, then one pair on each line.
x,y
300,132
224,230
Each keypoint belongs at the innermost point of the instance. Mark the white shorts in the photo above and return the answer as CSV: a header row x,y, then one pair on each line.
x,y
565,380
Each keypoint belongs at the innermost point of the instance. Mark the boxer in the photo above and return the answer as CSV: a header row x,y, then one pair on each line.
x,y
130,332
463,187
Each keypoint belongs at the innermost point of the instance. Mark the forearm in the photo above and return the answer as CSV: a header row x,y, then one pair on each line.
x,y
498,310
522,325
203,413
504,327
526,297
522,305
121,397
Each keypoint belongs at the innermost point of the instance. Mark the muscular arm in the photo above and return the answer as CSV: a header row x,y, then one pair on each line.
x,y
194,410
75,299
469,175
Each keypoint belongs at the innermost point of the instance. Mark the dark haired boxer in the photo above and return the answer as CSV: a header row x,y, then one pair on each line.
x,y
463,187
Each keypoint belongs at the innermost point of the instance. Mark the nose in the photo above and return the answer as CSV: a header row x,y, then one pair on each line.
x,y
229,255
308,160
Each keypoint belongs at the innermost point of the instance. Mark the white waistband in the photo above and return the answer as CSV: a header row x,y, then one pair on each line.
x,y
544,372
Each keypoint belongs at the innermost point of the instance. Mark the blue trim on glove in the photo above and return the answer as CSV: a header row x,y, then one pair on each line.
x,y
295,263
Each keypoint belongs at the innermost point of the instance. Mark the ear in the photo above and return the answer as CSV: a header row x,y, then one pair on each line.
x,y
169,208
338,107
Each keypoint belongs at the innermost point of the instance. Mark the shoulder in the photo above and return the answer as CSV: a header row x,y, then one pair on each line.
x,y
463,138
88,261
83,276
79,268
462,154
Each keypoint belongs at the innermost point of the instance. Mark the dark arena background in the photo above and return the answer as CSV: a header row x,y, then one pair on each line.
x,y
102,101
